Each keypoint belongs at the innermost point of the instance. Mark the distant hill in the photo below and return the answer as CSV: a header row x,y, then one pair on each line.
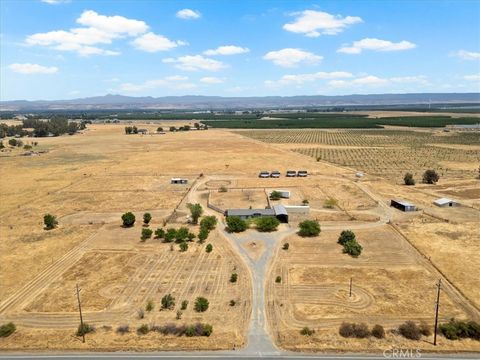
x,y
110,101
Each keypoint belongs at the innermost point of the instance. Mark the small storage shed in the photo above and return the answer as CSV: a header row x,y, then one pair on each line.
x,y
444,202
178,181
402,205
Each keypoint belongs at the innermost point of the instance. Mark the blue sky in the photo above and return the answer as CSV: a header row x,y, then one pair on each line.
x,y
63,49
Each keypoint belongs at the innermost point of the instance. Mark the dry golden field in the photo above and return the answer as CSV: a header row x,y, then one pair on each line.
x,y
88,180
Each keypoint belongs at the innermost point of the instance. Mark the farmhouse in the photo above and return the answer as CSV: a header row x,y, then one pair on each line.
x,y
278,211
178,181
444,202
402,205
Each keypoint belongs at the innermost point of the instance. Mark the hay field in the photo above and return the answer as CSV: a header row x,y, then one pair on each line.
x,y
391,284
387,153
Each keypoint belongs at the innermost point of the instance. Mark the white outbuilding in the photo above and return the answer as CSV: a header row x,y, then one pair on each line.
x,y
444,202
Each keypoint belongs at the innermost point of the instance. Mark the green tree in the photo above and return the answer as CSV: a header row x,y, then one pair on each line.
x,y
408,179
309,228
201,304
330,203
146,218
267,224
84,329
170,235
208,222
430,177
278,279
196,211
345,236
128,219
159,233
183,246
149,307
352,248
209,248
275,195
146,234
184,305
286,246
203,235
306,331
160,129
182,234
236,224
190,236
50,221
12,142
173,128
233,278
168,302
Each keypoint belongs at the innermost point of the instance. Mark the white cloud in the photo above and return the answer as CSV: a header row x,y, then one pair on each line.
x,y
376,45
420,79
227,50
174,82
315,23
292,57
151,42
28,68
467,55
99,29
372,81
54,2
299,79
195,62
475,77
211,80
188,14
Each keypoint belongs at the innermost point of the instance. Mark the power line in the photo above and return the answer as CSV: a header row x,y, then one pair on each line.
x,y
80,311
437,306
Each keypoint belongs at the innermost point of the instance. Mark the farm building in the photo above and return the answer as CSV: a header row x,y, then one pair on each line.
x,y
444,202
143,131
284,194
178,181
402,205
278,211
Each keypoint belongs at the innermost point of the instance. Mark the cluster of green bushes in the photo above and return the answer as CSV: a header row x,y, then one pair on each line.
x,y
267,223
168,303
236,224
361,331
179,235
309,228
207,224
410,330
50,221
454,330
429,177
199,329
7,329
131,130
349,242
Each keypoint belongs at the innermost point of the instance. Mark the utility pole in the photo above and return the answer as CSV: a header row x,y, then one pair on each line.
x,y
80,311
351,279
437,305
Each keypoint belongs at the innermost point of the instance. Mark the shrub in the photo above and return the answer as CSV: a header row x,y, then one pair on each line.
x,y
352,330
286,246
408,179
267,224
410,330
275,195
140,313
236,224
7,329
454,330
378,331
330,203
430,177
196,211
278,279
209,248
208,222
190,236
352,248
345,236
222,189
181,234
123,329
232,302
159,233
50,221
128,219
170,235
12,142
146,218
233,278
168,302
146,234
183,246
425,329
184,305
85,329
305,202
160,129
179,315
27,147
190,331
306,331
143,329
207,330
201,304
149,306
203,235
309,228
